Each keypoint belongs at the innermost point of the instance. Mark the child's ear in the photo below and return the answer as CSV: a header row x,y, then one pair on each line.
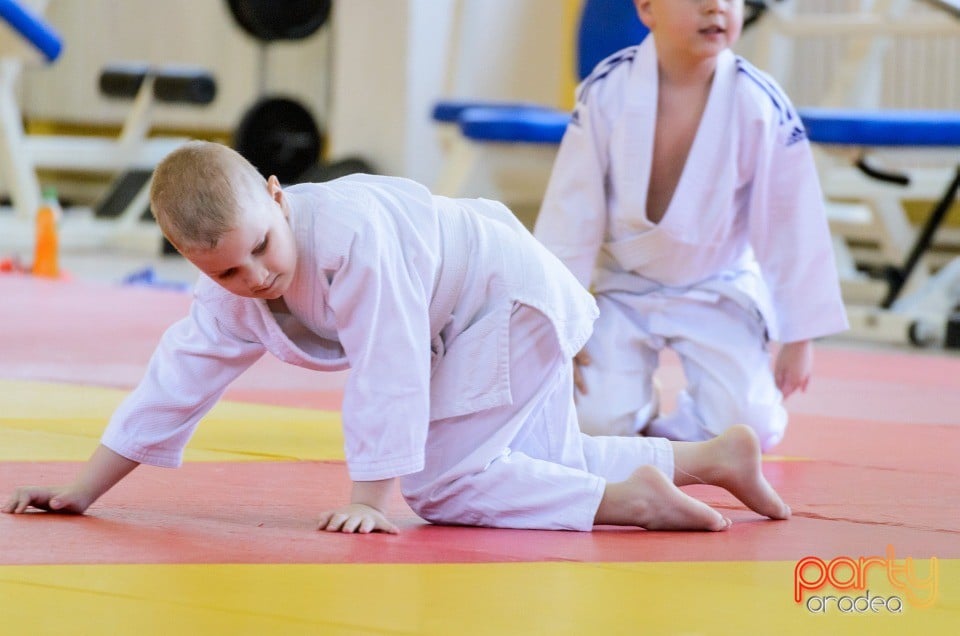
x,y
273,187
276,193
643,11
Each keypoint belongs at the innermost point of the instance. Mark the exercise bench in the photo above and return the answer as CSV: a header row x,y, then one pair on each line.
x,y
912,306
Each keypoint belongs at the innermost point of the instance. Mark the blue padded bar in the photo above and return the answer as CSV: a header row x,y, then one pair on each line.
x,y
32,28
606,26
532,125
448,111
882,127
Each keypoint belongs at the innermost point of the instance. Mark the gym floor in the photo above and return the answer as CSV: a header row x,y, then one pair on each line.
x,y
227,544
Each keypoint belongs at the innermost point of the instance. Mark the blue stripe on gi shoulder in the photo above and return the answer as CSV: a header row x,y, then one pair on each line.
x,y
603,69
785,111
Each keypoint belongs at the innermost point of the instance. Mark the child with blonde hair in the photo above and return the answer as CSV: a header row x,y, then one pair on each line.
x,y
458,328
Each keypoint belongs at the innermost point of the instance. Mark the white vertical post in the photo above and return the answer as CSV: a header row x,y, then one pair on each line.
x,y
16,164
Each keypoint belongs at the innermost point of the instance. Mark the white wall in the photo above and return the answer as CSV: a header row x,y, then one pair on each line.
x,y
195,32
392,59
389,64
914,70
371,75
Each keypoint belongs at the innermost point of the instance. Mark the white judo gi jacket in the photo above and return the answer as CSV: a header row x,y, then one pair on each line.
x,y
412,292
746,220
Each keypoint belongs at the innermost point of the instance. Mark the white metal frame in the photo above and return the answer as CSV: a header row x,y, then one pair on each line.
x,y
862,209
22,154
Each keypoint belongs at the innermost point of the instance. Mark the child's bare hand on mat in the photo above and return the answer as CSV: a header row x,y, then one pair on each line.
x,y
62,499
793,367
104,469
356,517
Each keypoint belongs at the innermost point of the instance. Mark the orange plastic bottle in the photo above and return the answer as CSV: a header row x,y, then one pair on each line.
x,y
47,244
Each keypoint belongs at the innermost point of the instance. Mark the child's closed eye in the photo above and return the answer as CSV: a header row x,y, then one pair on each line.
x,y
260,249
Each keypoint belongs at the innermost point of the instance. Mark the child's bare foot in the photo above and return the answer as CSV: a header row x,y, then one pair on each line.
x,y
650,500
731,461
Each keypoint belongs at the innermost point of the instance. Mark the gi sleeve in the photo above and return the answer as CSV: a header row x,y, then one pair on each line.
x,y
572,218
790,234
382,316
190,369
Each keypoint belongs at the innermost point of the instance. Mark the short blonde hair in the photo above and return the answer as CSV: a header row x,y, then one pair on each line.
x,y
197,190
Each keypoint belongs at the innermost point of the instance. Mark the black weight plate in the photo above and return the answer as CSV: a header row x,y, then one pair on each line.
x,y
320,172
280,137
269,20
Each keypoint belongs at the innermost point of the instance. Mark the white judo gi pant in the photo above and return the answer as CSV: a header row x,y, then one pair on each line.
x,y
722,347
526,464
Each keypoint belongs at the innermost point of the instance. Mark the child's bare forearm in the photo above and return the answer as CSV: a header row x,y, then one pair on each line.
x,y
375,494
101,473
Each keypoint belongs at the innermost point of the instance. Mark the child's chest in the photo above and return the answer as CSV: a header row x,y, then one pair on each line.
x,y
307,302
676,130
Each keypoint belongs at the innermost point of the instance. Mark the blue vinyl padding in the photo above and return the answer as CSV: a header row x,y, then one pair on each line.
x,y
882,127
532,125
448,111
535,124
606,26
32,28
